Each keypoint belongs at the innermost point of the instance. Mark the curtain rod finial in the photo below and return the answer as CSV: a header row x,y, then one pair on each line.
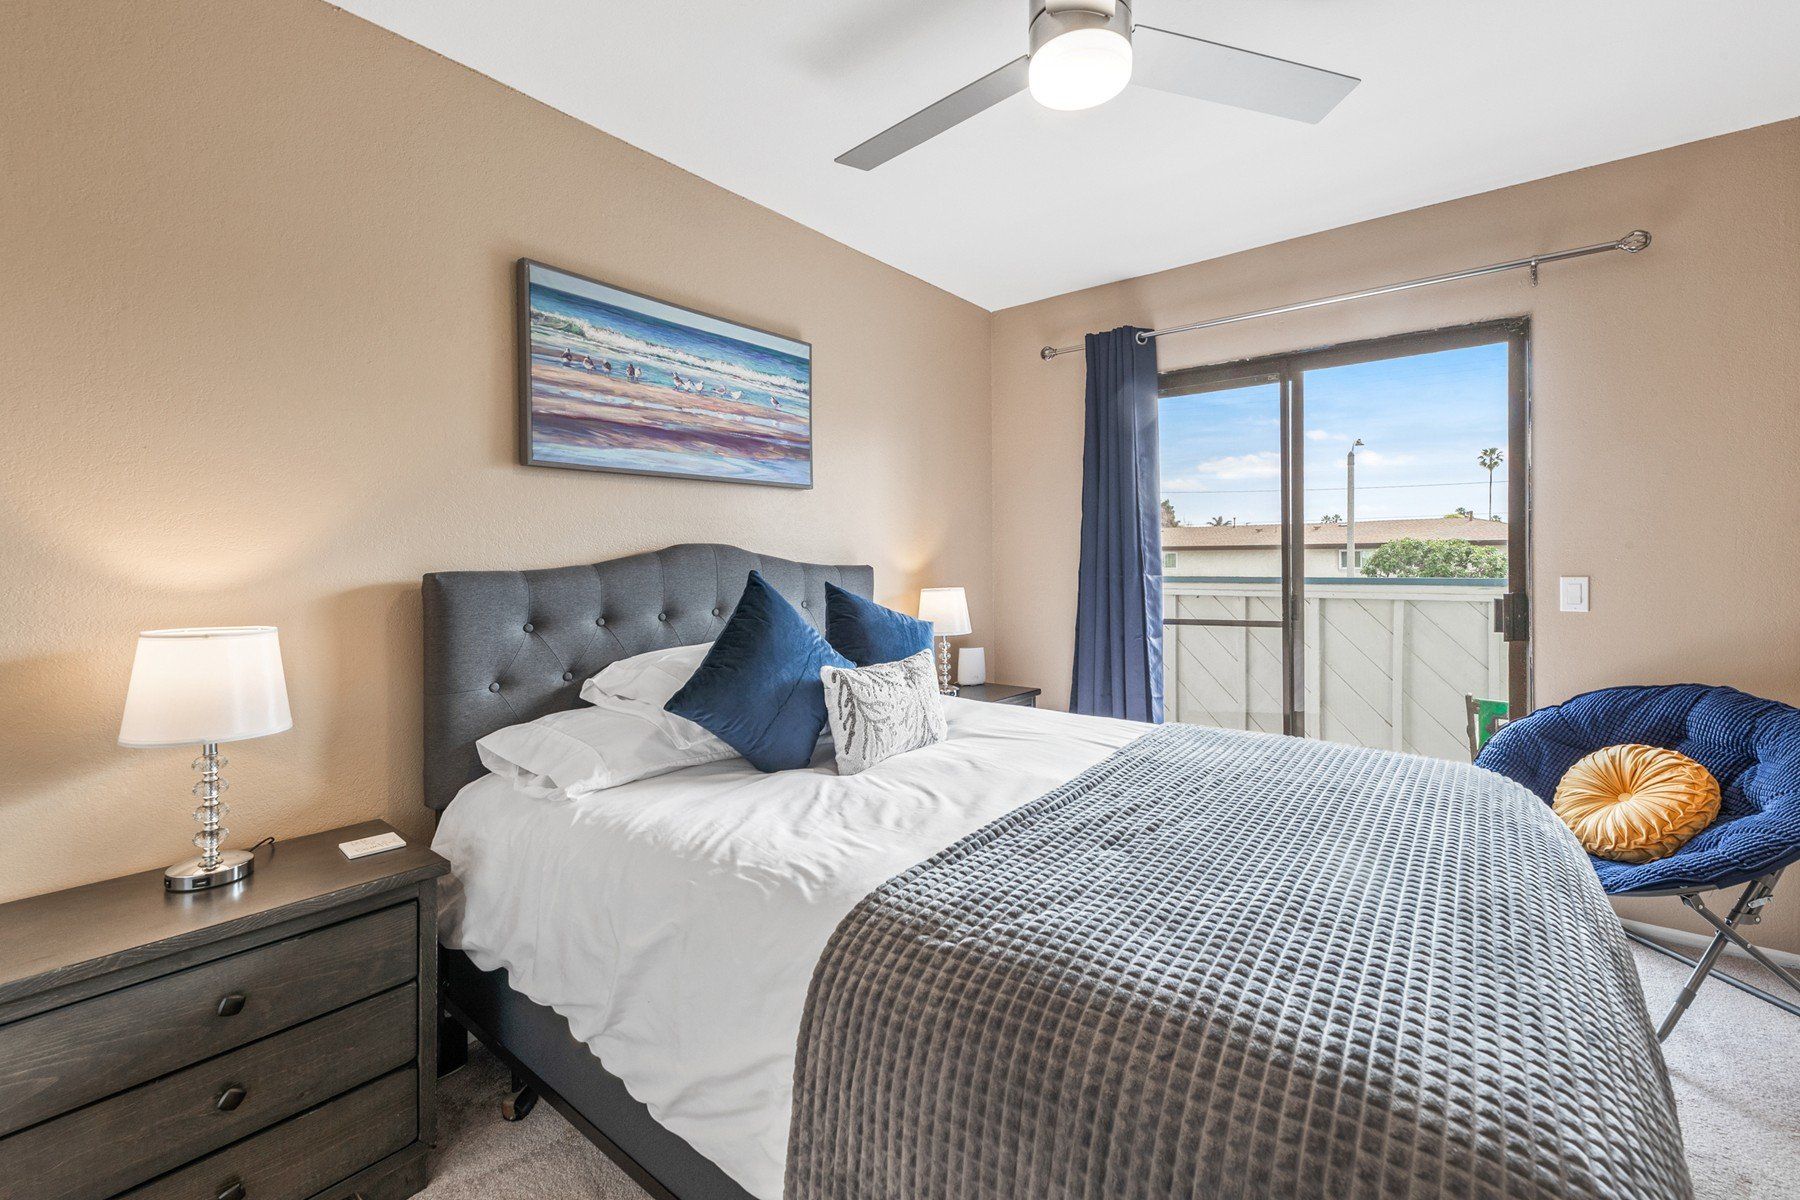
x,y
1634,241
1047,353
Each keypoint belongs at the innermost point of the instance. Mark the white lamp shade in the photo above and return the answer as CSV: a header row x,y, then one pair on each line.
x,y
191,686
947,609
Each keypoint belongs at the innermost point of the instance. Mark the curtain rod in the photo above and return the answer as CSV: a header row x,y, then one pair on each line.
x,y
1631,243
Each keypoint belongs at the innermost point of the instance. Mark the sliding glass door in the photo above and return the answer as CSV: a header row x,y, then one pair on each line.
x,y
1225,631
1344,541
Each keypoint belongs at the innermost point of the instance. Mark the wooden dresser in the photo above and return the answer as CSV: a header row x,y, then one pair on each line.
x,y
272,1040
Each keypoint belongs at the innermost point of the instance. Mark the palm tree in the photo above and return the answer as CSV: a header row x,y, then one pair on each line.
x,y
1490,459
1218,521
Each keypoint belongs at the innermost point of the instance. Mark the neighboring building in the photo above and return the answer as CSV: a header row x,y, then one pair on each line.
x,y
1254,551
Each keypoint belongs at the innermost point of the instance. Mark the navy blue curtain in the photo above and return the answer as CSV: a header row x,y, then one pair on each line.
x,y
1118,616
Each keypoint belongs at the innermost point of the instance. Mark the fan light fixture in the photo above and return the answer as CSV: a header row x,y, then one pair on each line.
x,y
1082,53
1080,69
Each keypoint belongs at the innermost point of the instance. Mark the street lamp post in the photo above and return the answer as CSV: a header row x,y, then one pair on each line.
x,y
1350,509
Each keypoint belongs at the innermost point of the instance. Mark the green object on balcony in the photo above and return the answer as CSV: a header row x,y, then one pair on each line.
x,y
1485,719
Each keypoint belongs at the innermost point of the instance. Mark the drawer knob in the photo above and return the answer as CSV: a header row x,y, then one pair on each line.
x,y
230,1098
231,1005
233,1191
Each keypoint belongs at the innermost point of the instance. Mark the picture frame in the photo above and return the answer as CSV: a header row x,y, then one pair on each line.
x,y
615,381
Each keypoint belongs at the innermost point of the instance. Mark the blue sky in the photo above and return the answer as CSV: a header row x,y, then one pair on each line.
x,y
1423,419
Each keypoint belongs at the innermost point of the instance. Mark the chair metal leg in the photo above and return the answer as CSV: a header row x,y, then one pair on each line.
x,y
1750,904
1722,976
1691,988
1746,911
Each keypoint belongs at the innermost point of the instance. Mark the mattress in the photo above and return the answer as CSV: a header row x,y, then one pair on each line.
x,y
675,922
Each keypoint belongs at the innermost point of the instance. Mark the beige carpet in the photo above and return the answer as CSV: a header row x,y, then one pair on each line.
x,y
1735,1062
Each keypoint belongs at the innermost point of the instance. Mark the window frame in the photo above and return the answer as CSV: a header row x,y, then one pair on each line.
x,y
1288,370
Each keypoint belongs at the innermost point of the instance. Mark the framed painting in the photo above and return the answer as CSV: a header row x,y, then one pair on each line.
x,y
613,381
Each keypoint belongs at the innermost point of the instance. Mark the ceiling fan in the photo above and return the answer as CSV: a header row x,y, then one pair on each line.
x,y
1084,52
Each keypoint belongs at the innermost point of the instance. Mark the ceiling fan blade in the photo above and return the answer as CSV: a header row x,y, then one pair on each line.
x,y
1189,66
934,119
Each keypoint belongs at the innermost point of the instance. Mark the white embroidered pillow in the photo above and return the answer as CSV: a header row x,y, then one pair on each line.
x,y
880,711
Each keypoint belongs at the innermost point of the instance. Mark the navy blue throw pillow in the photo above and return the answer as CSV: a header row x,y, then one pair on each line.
x,y
758,690
866,633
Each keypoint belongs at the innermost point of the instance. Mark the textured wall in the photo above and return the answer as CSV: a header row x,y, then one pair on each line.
x,y
257,366
1666,426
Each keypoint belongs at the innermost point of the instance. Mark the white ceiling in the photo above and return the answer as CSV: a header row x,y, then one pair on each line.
x,y
1458,97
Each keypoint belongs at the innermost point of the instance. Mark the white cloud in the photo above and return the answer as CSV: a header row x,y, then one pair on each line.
x,y
1375,458
1263,464
1324,435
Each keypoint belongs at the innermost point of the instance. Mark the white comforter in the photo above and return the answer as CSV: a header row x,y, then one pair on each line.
x,y
675,921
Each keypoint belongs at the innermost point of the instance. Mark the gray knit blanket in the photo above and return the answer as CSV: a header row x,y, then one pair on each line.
x,y
1234,965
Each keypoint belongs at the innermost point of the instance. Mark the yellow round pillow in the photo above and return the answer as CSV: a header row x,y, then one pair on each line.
x,y
1636,803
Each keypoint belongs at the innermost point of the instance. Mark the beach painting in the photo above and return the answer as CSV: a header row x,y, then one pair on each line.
x,y
613,381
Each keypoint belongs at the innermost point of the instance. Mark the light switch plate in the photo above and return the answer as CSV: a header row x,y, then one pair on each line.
x,y
1572,590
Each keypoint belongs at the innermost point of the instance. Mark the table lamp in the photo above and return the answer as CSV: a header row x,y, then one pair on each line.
x,y
206,687
947,609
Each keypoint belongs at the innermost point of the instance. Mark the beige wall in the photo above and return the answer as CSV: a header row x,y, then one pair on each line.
x,y
1666,410
256,365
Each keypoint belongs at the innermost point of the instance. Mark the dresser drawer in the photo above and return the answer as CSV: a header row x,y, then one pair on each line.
x,y
55,1061
305,1155
98,1150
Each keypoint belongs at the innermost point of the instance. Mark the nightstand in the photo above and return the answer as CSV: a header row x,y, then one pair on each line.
x,y
274,1039
1001,693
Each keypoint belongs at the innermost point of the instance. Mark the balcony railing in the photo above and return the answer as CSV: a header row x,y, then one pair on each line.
x,y
1387,661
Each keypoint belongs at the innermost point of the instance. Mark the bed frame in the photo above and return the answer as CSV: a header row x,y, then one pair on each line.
x,y
502,647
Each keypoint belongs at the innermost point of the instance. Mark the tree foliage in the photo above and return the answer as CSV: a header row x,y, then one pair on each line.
x,y
1438,558
1169,519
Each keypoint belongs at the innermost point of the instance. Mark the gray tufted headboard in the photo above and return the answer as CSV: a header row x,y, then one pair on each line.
x,y
502,647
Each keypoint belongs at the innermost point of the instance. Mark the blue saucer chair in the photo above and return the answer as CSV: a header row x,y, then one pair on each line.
x,y
1751,746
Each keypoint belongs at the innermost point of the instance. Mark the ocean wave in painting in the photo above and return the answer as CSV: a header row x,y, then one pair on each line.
x,y
620,389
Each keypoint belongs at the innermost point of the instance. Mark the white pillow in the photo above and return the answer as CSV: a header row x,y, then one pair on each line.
x,y
651,678
587,750
879,711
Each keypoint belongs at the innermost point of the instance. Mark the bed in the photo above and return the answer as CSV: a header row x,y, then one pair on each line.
x,y
691,967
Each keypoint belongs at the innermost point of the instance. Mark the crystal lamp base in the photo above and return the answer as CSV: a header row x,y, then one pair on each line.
x,y
190,876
